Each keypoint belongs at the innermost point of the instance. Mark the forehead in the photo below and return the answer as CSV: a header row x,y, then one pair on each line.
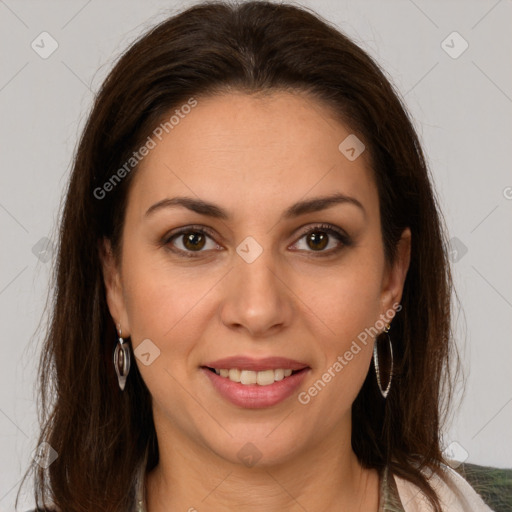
x,y
252,152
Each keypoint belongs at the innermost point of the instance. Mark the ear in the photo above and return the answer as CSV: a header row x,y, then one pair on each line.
x,y
113,287
394,277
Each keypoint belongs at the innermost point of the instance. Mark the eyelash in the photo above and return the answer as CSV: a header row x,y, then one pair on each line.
x,y
329,229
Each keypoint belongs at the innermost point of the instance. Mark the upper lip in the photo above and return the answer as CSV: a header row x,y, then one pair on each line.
x,y
256,365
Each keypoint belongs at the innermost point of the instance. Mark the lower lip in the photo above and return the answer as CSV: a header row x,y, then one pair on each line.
x,y
254,396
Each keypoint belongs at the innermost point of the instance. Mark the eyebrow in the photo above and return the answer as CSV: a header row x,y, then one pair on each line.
x,y
315,204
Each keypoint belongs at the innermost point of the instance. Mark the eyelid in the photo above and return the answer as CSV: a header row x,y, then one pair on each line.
x,y
176,233
322,226
343,238
192,227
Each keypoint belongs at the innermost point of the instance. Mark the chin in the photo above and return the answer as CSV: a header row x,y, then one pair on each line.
x,y
257,449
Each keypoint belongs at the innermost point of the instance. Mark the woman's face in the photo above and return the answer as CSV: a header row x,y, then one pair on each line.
x,y
256,285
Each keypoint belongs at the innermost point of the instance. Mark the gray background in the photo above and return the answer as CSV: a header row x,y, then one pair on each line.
x,y
461,107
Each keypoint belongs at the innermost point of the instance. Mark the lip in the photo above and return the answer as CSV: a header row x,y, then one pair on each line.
x,y
256,365
254,396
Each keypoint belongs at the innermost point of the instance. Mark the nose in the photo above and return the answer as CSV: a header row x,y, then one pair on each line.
x,y
257,298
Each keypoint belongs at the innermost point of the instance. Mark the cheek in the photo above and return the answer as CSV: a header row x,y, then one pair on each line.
x,y
346,299
344,357
167,307
351,314
347,313
160,300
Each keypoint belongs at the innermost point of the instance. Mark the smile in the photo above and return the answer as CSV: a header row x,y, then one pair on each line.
x,y
255,389
248,377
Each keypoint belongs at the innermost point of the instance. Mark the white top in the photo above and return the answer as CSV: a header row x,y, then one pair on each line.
x,y
455,493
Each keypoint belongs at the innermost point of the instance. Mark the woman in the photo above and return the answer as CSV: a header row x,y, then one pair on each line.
x,y
252,305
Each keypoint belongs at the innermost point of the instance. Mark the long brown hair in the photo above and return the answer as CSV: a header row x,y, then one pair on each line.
x,y
101,433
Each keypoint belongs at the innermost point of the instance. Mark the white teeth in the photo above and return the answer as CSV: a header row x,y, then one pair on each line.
x,y
247,377
265,378
234,375
279,374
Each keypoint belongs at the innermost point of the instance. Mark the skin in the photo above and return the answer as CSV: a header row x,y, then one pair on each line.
x,y
254,156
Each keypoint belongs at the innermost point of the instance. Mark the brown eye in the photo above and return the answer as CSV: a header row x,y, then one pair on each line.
x,y
319,237
190,241
317,240
193,240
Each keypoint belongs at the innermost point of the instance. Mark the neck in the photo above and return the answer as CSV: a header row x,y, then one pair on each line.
x,y
325,477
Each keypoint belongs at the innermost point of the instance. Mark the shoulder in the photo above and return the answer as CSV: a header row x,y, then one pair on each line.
x,y
41,510
455,492
493,484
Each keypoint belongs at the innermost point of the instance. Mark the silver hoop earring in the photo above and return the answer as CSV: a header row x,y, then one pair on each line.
x,y
383,392
122,361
